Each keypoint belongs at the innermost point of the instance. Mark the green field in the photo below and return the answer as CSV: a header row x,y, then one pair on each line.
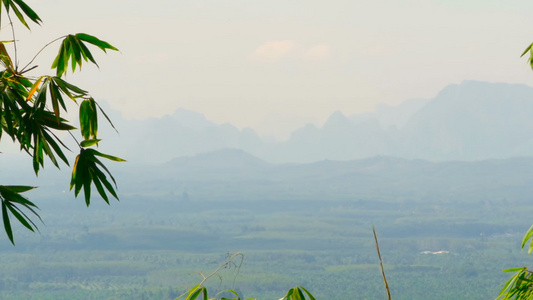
x,y
118,252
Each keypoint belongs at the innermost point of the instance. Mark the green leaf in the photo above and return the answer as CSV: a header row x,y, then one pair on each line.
x,y
87,188
518,286
530,50
95,41
27,11
87,54
56,147
100,189
74,50
527,49
513,270
527,237
67,88
230,291
86,170
289,293
101,176
20,217
78,171
88,119
56,99
110,157
62,57
7,223
89,143
311,297
205,293
19,188
194,293
105,115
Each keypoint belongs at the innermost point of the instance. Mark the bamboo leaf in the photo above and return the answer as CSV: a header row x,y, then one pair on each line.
x,y
105,115
527,49
95,41
89,143
19,217
34,88
19,188
87,188
100,189
101,176
7,223
194,293
56,147
28,11
19,15
526,238
110,157
85,119
65,87
311,297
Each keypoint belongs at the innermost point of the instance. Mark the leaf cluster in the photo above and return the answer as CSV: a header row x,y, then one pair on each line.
x,y
200,292
31,110
519,286
73,49
529,50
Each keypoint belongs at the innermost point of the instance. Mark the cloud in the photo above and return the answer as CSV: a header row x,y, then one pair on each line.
x,y
278,50
275,50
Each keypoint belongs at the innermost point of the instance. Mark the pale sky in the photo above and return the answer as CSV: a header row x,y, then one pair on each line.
x,y
264,63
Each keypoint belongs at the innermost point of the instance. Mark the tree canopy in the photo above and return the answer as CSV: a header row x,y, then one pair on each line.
x,y
32,110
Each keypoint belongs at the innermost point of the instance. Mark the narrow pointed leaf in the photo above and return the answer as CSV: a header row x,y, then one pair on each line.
x,y
89,143
95,41
311,297
110,157
20,218
105,115
28,11
20,188
7,223
100,189
34,88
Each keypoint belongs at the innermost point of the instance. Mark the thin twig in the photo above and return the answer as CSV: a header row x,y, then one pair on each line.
x,y
76,140
381,264
14,40
40,52
228,263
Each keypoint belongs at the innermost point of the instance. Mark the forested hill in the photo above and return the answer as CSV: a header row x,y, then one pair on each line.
x,y
234,173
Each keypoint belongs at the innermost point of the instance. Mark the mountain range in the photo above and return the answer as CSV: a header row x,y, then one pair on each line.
x,y
468,121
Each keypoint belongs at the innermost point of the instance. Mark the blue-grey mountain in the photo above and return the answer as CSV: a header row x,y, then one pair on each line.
x,y
468,121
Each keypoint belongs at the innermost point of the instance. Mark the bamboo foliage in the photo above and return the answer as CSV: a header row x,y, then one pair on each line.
x,y
31,110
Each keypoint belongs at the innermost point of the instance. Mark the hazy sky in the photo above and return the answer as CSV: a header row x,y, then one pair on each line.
x,y
259,63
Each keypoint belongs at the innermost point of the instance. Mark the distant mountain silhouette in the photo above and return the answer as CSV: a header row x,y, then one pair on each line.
x,y
472,121
468,121
340,138
392,117
182,133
